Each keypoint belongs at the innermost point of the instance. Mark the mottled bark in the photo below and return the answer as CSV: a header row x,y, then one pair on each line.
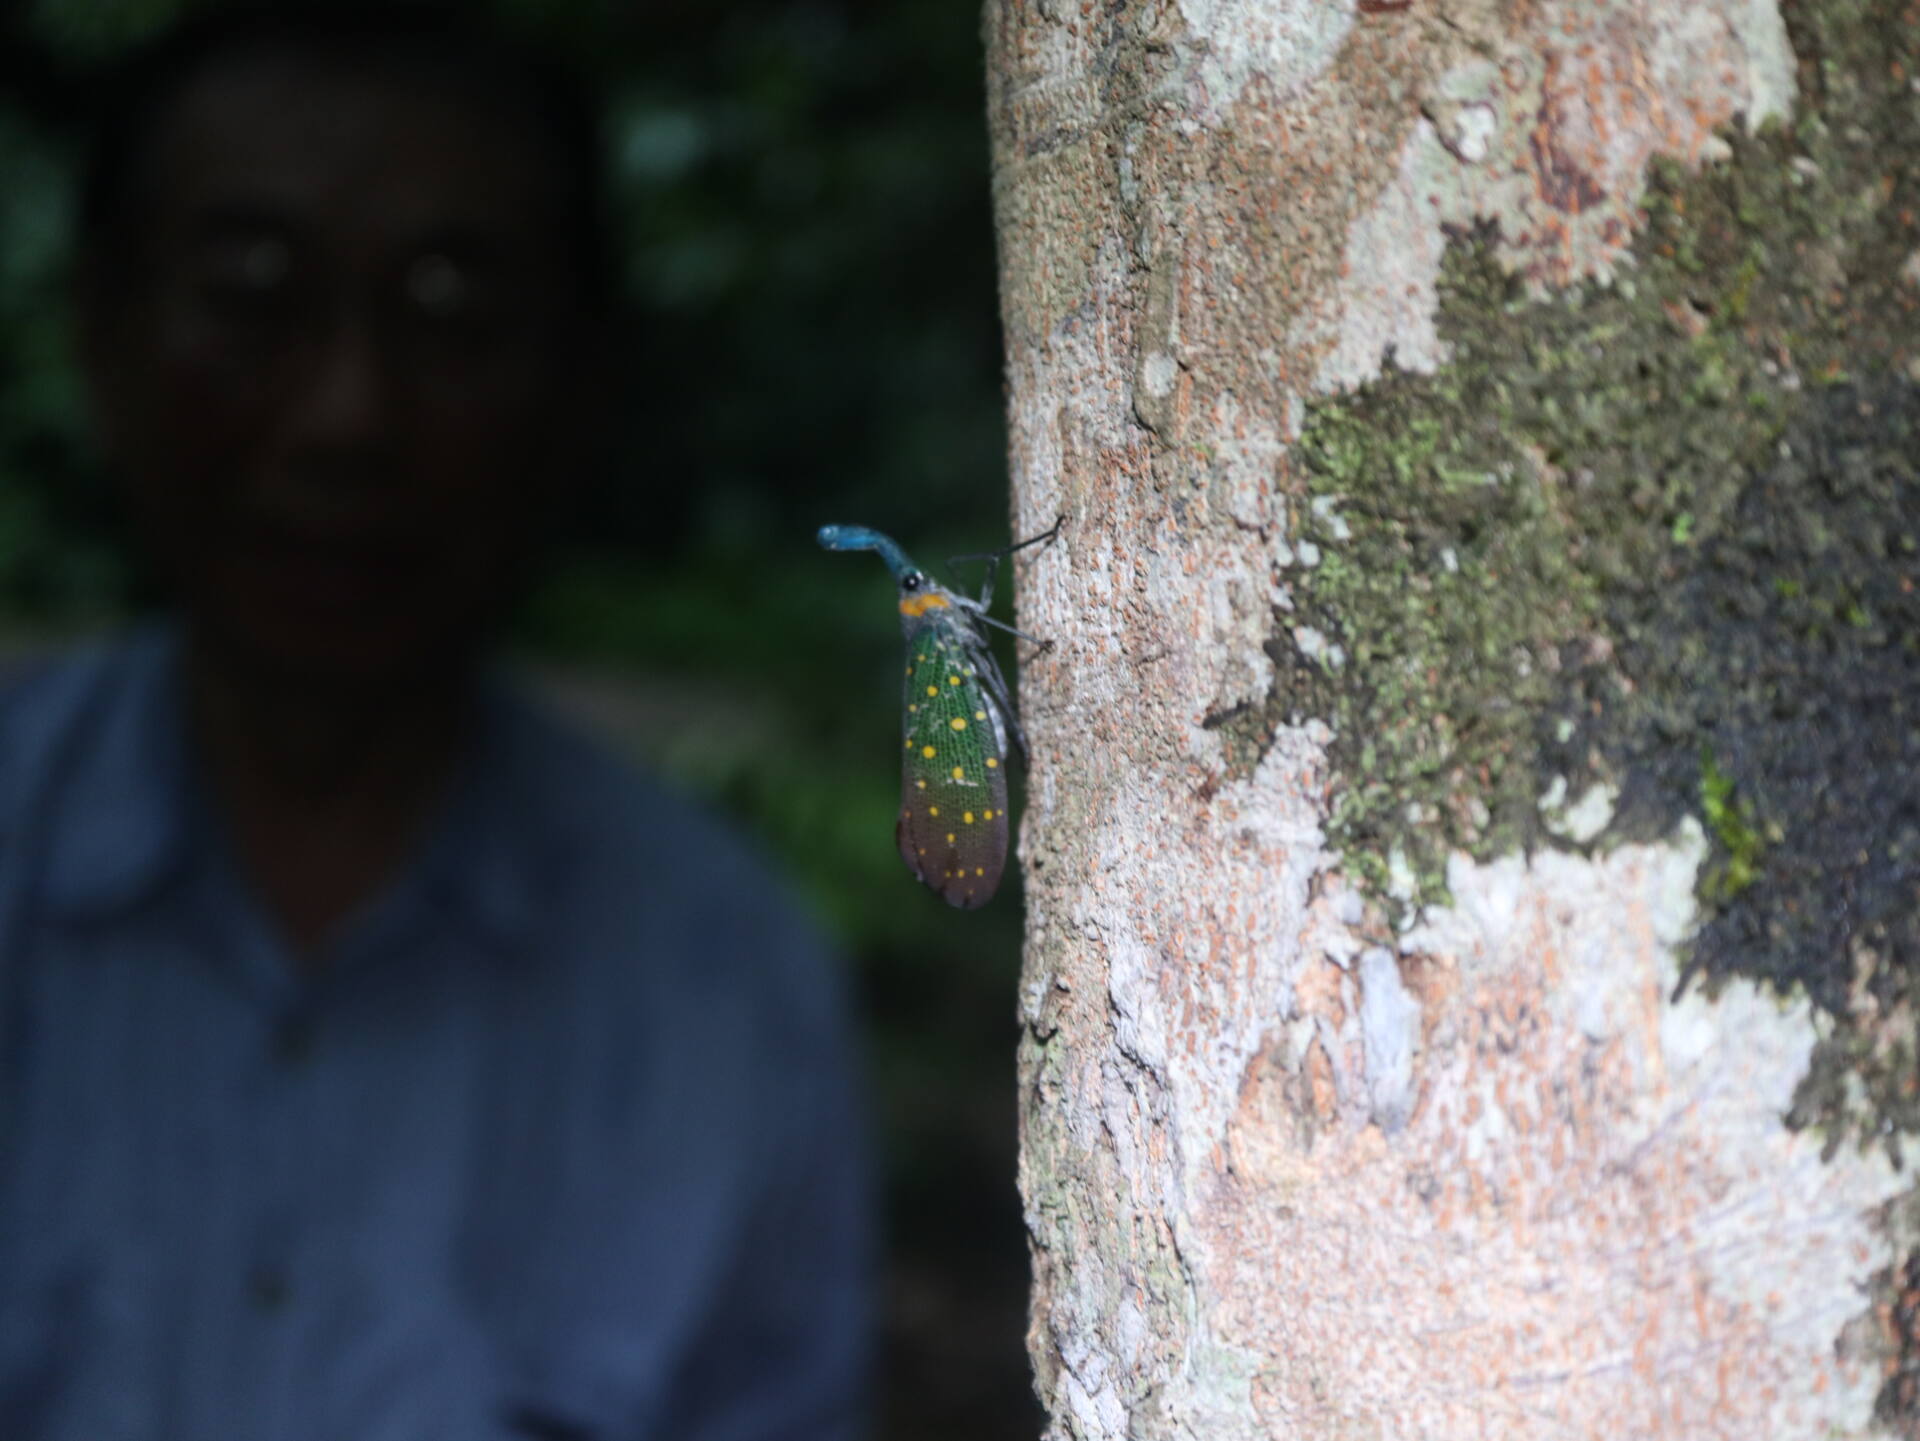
x,y
1473,841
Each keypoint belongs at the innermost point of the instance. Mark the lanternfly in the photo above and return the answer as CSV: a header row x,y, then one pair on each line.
x,y
957,719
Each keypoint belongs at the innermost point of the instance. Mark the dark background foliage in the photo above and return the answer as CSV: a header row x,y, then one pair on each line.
x,y
807,275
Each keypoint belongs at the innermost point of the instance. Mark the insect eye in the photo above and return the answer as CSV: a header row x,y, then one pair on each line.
x,y
911,582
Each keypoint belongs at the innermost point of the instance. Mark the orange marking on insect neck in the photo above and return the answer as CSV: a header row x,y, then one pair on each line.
x,y
919,605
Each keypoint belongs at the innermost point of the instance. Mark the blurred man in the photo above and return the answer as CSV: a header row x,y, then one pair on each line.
x,y
377,1059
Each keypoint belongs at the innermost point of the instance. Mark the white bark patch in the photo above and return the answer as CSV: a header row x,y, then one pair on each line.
x,y
1315,646
1548,133
1157,372
1762,37
1233,982
1389,1030
1468,132
1582,821
1284,42
1443,1280
1385,303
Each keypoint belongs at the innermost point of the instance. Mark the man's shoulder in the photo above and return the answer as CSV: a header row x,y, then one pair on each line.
x,y
604,808
37,677
21,666
643,857
48,696
662,908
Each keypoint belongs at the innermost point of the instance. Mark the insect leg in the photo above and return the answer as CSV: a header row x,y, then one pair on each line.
x,y
994,557
1013,630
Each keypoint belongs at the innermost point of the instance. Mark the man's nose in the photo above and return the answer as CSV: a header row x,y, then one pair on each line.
x,y
346,395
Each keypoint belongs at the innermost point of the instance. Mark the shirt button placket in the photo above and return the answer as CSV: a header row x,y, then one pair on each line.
x,y
293,1039
291,1043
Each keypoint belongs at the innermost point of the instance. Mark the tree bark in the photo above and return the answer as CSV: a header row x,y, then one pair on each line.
x,y
1473,840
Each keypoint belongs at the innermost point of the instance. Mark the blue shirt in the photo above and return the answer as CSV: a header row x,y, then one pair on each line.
x,y
560,1144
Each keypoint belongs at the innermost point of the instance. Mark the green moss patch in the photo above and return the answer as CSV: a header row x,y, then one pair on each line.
x,y
1663,534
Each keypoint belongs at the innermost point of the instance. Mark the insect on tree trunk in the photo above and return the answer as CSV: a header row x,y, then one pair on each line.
x,y
1473,841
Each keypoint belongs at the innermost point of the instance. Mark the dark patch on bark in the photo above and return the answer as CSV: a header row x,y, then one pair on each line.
x,y
1563,184
1898,1404
1786,659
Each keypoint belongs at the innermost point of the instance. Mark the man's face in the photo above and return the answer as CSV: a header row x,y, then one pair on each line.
x,y
338,381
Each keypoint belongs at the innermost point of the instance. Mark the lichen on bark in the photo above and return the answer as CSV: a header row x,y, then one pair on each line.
x,y
1658,535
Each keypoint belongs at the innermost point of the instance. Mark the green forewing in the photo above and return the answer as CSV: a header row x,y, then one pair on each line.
x,y
953,807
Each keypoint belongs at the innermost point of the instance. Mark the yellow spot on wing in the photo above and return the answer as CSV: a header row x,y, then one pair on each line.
x,y
933,810
926,751
949,837
959,773
979,715
959,723
992,764
921,784
968,817
933,690
953,680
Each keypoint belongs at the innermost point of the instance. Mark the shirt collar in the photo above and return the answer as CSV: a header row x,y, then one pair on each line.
x,y
486,859
133,813
118,829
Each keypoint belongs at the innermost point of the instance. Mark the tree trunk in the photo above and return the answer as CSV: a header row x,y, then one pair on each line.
x,y
1474,829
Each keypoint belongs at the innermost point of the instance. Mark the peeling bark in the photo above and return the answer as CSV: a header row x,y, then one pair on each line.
x,y
1473,842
